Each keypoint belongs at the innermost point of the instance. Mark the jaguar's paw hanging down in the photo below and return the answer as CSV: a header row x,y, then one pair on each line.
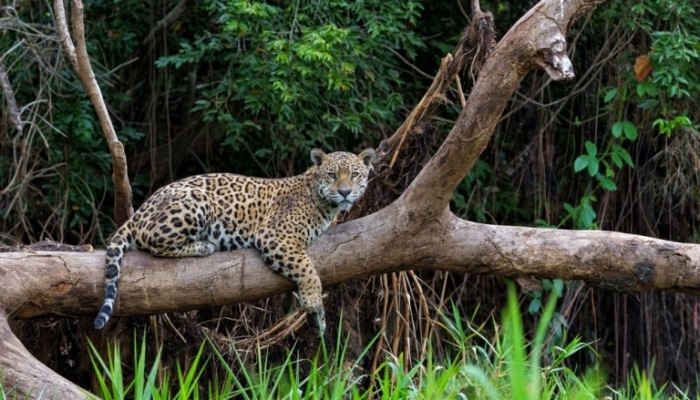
x,y
199,215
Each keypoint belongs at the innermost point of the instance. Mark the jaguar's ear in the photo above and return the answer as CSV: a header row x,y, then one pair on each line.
x,y
367,157
318,157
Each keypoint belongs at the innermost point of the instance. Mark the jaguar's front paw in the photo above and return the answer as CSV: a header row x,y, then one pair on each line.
x,y
316,321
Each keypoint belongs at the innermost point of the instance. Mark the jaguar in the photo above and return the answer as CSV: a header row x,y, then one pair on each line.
x,y
201,214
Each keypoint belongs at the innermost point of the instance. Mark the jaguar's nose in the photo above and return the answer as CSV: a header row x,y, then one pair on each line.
x,y
344,192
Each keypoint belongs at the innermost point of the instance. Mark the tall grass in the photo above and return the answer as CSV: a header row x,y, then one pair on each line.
x,y
509,366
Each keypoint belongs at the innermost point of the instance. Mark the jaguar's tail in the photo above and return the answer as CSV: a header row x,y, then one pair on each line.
x,y
118,245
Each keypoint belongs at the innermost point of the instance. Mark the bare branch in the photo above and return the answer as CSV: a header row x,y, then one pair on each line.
x,y
10,99
62,32
122,189
473,48
81,63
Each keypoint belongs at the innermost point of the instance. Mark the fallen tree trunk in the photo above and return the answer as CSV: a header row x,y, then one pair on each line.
x,y
54,284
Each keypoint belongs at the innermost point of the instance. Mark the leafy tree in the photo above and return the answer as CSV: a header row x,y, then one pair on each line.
x,y
303,74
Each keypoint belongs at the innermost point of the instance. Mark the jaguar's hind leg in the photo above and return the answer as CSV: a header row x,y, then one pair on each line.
x,y
177,226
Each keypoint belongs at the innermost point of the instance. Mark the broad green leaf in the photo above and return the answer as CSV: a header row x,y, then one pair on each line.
x,y
626,157
609,172
534,306
581,163
606,183
630,130
610,95
587,216
570,209
591,148
558,285
546,284
683,120
593,166
616,160
617,129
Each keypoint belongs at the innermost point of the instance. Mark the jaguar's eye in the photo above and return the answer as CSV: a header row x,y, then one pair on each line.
x,y
332,175
355,174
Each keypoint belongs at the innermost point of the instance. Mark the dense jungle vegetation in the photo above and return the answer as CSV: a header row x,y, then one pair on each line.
x,y
250,87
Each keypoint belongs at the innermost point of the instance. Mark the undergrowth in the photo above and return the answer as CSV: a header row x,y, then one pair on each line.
x,y
514,364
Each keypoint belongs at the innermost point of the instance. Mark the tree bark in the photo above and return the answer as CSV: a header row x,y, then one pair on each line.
x,y
415,232
24,375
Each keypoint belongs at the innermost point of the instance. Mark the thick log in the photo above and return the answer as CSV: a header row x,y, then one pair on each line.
x,y
25,376
71,284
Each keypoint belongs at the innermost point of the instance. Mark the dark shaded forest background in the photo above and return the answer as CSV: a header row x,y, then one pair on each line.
x,y
249,87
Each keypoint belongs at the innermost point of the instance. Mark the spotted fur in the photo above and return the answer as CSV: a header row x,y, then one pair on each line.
x,y
199,215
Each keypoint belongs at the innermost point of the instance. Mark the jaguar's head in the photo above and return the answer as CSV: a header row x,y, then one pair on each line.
x,y
342,176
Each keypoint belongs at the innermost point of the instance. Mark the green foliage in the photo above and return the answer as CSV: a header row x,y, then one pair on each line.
x,y
583,214
609,124
640,387
112,384
525,375
604,165
611,159
298,75
510,366
553,286
675,50
675,55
